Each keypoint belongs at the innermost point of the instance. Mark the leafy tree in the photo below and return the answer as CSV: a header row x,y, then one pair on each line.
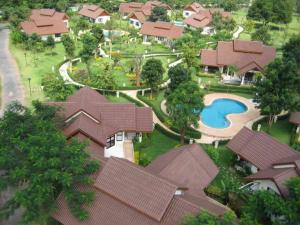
x,y
138,62
89,46
152,73
277,91
55,88
277,11
18,37
62,5
184,105
205,218
38,161
105,79
177,74
69,47
97,32
221,23
159,14
294,200
262,34
50,43
229,5
190,52
249,26
291,50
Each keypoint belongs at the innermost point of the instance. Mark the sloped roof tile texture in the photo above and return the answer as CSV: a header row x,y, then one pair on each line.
x,y
245,55
162,29
92,11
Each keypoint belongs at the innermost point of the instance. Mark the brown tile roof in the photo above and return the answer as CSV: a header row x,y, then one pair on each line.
x,y
126,194
259,148
145,192
89,113
188,166
278,176
146,8
92,11
45,22
198,20
246,55
162,29
295,118
138,15
195,7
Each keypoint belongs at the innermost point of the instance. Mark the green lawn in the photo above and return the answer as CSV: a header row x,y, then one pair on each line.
x,y
38,65
280,34
281,130
115,99
159,144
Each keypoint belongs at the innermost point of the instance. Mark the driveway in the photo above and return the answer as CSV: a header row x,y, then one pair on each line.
x,y
11,85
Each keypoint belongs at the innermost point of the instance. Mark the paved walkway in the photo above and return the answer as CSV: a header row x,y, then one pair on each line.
x,y
238,32
11,85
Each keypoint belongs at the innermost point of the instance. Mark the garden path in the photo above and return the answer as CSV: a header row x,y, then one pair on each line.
x,y
238,32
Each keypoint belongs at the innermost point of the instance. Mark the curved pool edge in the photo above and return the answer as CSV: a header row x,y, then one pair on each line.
x,y
227,115
237,121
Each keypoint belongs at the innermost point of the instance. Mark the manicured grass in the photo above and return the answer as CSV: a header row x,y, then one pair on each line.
x,y
281,130
38,65
115,99
159,144
280,33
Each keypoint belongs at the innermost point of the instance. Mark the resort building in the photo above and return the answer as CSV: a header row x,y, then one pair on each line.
x,y
95,14
127,194
271,163
203,20
109,127
295,119
46,22
191,9
162,32
138,13
245,57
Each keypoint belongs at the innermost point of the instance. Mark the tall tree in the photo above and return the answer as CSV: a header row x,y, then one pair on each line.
x,y
177,74
190,52
55,88
97,32
138,62
69,47
89,46
277,91
50,43
262,34
38,161
291,50
159,14
152,73
184,105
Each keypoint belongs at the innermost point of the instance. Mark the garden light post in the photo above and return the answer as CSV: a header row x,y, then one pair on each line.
x,y
29,79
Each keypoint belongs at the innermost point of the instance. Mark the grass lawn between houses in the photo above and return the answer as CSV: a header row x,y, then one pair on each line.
x,y
38,65
280,33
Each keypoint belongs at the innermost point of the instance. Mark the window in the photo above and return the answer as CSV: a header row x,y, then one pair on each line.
x,y
137,24
57,35
120,136
100,20
187,13
110,141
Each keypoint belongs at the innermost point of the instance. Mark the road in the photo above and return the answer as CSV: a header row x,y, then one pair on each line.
x,y
11,85
12,90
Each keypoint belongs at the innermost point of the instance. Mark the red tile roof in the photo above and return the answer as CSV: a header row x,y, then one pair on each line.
x,y
195,7
138,15
162,29
153,4
89,113
126,194
259,148
295,118
92,11
198,20
246,55
146,8
45,22
188,166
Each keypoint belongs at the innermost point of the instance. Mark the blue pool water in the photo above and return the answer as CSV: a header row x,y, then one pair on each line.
x,y
215,114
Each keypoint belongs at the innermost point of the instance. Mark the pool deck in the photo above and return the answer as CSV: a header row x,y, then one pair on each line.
x,y
237,121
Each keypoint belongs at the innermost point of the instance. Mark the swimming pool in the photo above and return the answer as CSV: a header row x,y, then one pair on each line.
x,y
215,114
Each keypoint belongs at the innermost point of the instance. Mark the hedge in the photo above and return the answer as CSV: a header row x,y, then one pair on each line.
x,y
170,135
131,99
190,133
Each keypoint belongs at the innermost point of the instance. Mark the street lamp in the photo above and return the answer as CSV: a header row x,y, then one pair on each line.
x,y
29,79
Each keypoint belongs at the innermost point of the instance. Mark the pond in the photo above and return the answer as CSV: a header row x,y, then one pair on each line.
x,y
215,114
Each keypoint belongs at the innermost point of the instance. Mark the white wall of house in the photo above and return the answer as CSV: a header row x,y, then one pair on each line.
x,y
118,149
135,23
102,19
187,13
66,22
208,30
147,38
265,185
56,37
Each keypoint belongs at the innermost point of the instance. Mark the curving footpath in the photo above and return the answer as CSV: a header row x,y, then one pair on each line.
x,y
238,32
12,88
